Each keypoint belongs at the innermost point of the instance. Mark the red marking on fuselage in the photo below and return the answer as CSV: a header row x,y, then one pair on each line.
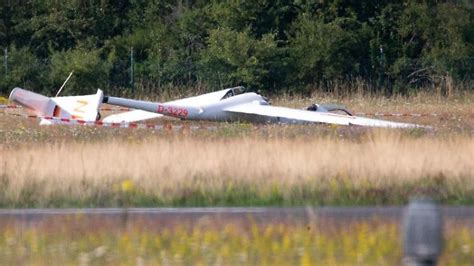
x,y
173,111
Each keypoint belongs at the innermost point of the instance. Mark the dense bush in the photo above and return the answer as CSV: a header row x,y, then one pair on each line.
x,y
90,71
274,46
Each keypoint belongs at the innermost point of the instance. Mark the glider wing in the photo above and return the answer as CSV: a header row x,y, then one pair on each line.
x,y
131,116
289,115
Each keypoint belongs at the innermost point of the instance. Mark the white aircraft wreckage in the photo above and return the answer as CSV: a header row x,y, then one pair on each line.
x,y
84,108
228,105
234,104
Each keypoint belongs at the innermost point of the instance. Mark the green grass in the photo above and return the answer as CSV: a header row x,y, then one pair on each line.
x,y
334,191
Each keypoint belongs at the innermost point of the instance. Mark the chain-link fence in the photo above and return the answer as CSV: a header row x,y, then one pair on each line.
x,y
126,76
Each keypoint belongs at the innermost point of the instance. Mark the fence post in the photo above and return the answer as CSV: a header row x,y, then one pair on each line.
x,y
131,70
422,233
5,53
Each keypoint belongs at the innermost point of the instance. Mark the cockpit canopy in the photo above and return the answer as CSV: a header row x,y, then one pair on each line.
x,y
234,91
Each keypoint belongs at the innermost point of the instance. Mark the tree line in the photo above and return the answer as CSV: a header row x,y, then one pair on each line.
x,y
274,46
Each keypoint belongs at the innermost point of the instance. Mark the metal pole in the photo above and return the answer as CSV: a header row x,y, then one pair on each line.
x,y
131,69
6,61
423,233
60,89
382,69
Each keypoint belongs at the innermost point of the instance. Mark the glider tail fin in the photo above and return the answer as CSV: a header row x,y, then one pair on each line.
x,y
84,107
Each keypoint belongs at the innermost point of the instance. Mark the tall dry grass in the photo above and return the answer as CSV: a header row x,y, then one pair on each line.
x,y
172,168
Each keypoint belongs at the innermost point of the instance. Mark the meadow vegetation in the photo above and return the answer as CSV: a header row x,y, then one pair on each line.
x,y
381,168
369,242
357,51
236,165
243,164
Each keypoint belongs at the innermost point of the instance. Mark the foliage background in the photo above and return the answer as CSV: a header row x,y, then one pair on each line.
x,y
375,46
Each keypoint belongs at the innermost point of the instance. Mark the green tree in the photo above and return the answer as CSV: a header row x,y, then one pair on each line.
x,y
431,44
24,70
90,71
269,45
258,17
168,46
325,50
234,58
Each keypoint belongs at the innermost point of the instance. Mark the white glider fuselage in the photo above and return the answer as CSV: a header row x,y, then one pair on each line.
x,y
231,105
211,107
217,111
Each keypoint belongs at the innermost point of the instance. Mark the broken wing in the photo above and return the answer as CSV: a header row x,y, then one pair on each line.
x,y
291,116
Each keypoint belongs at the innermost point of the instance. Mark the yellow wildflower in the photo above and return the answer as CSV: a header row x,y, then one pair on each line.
x,y
127,185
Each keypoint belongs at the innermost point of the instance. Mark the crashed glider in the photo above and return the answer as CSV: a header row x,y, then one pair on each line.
x,y
234,104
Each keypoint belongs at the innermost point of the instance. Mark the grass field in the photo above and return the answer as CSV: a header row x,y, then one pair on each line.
x,y
381,168
236,165
73,241
243,164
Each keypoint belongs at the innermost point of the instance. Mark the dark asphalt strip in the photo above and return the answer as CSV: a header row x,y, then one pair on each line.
x,y
463,214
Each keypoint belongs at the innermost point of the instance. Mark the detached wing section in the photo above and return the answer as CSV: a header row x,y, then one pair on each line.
x,y
294,116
